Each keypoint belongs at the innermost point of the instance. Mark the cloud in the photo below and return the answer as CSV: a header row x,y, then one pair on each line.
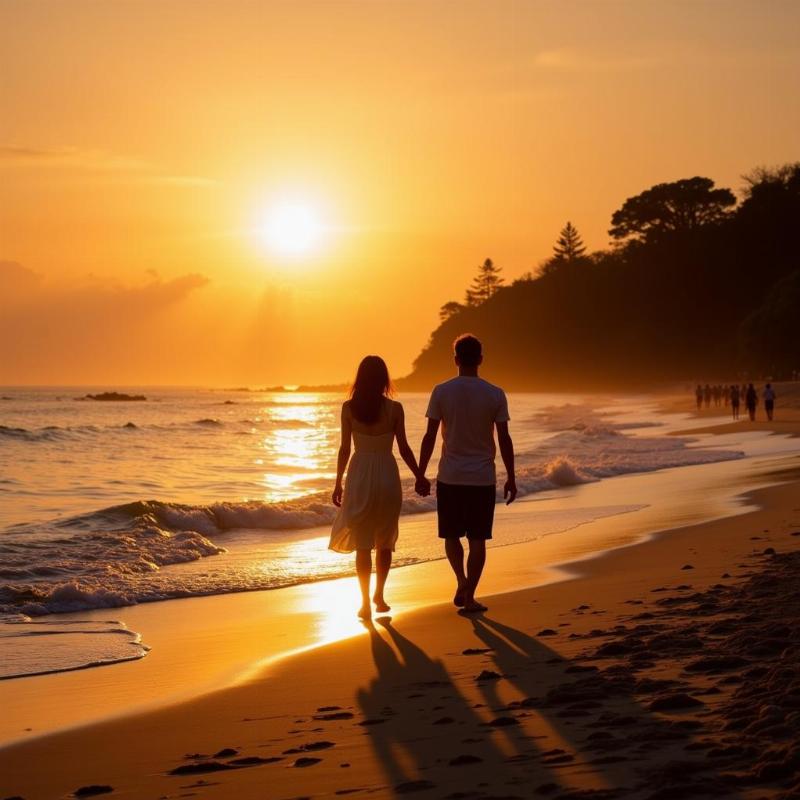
x,y
73,157
53,332
571,60
22,288
93,161
16,280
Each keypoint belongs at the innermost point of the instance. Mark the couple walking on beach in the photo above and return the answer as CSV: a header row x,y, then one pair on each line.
x,y
469,409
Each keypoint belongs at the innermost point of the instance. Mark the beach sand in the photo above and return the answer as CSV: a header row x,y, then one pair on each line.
x,y
667,669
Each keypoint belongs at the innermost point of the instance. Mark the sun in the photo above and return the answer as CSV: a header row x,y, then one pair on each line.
x,y
291,228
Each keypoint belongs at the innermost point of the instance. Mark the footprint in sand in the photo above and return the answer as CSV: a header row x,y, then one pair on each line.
x,y
200,768
309,747
253,761
306,761
334,716
463,759
414,786
675,702
502,722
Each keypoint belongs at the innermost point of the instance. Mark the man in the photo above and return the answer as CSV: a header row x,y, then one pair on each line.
x,y
751,401
735,401
469,409
769,401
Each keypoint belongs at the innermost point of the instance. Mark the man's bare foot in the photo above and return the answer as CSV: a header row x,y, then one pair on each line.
x,y
458,598
381,606
365,612
473,607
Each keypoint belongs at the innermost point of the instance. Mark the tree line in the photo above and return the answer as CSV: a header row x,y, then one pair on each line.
x,y
696,281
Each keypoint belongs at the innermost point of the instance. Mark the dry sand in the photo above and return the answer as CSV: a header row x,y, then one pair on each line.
x,y
667,670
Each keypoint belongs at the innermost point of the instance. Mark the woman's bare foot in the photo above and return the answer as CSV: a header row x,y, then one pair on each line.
x,y
381,606
458,598
365,612
473,607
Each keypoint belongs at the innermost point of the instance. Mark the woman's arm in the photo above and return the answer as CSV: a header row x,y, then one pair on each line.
x,y
344,455
406,453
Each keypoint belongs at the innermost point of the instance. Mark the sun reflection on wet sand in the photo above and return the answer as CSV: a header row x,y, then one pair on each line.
x,y
332,603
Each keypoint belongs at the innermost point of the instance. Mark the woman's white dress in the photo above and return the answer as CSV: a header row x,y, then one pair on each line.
x,y
370,510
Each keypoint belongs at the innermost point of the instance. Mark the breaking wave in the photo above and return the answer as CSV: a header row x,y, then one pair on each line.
x,y
115,556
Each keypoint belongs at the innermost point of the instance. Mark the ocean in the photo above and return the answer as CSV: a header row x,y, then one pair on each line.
x,y
201,491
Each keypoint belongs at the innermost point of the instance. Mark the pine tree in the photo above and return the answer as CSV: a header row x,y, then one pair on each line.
x,y
449,309
485,283
569,246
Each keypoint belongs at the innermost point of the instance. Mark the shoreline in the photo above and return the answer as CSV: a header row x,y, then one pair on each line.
x,y
294,619
160,623
219,631
136,753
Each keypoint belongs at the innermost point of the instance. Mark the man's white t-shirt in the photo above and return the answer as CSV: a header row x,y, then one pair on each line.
x,y
468,408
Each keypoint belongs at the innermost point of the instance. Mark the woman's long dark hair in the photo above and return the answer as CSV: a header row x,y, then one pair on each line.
x,y
371,386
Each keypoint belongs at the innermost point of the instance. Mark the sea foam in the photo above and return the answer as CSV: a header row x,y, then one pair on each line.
x,y
117,555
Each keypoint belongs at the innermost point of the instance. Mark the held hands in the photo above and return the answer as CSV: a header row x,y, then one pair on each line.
x,y
336,497
422,486
510,491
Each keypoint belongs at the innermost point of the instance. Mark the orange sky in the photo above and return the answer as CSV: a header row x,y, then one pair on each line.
x,y
141,142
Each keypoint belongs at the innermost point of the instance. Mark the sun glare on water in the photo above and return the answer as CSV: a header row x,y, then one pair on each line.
x,y
292,228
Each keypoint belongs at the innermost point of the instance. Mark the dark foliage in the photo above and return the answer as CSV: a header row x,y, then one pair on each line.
x,y
701,290
484,285
670,208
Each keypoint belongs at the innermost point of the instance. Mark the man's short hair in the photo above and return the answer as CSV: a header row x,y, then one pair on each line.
x,y
468,350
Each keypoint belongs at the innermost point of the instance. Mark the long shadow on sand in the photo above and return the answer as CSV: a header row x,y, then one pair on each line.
x,y
600,741
419,702
603,728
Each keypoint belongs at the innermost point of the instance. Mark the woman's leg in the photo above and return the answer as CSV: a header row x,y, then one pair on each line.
x,y
383,562
364,571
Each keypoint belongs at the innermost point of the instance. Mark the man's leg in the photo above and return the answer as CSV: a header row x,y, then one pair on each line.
x,y
455,555
475,563
364,572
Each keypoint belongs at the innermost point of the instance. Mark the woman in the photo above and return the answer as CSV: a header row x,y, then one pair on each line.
x,y
369,504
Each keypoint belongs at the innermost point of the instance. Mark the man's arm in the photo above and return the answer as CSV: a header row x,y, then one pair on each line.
x,y
507,454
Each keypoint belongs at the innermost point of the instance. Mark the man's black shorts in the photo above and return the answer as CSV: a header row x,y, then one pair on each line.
x,y
465,510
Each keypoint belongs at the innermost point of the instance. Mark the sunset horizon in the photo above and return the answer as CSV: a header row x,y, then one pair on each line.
x,y
142,206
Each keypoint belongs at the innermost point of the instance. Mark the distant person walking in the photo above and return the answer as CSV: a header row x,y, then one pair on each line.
x,y
735,401
707,395
769,400
751,401
698,394
469,410
369,503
